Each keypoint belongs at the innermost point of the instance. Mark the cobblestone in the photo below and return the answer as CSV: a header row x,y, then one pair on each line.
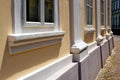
x,y
111,70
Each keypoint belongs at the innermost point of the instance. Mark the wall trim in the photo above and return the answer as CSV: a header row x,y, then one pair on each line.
x,y
89,30
23,42
78,46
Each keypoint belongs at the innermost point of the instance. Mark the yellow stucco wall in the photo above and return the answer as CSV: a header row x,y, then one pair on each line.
x,y
13,67
5,25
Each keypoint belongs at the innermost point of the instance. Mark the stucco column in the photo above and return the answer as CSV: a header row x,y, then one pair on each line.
x,y
98,18
76,24
106,18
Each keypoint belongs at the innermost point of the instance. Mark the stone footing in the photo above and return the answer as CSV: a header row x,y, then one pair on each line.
x,y
90,61
104,51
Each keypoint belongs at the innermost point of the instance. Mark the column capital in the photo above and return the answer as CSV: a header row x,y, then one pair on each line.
x,y
99,39
78,46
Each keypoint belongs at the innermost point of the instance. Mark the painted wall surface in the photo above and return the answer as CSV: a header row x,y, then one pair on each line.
x,y
5,25
21,64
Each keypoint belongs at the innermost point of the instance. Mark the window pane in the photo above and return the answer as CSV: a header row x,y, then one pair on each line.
x,y
33,10
102,6
49,11
102,19
89,12
87,1
91,15
90,2
102,12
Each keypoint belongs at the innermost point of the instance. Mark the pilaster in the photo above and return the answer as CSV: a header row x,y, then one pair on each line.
x,y
98,18
78,44
106,19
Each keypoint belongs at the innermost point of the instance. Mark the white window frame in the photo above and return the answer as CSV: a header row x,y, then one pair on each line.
x,y
115,5
42,10
102,13
90,7
19,18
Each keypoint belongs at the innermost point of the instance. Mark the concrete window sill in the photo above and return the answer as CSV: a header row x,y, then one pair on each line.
x,y
23,42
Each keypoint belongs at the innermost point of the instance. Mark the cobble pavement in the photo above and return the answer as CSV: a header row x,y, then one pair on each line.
x,y
111,70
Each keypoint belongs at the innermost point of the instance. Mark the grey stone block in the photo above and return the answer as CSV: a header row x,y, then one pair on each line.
x,y
105,52
83,69
70,72
94,63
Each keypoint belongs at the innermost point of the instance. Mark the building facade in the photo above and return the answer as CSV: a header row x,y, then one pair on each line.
x,y
116,16
54,39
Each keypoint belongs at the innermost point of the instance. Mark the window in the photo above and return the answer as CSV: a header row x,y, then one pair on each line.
x,y
119,4
112,21
39,12
108,9
102,12
35,25
89,12
36,15
116,21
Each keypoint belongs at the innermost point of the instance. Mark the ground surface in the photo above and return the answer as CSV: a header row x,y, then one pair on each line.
x,y
111,70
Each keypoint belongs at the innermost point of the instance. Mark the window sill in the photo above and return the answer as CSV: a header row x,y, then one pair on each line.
x,y
23,42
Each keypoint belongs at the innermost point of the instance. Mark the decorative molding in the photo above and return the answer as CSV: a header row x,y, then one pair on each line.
x,y
99,39
78,46
102,28
107,35
111,33
27,36
79,50
89,30
108,28
23,42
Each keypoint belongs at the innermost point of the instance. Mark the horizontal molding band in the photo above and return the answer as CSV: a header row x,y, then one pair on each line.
x,y
23,42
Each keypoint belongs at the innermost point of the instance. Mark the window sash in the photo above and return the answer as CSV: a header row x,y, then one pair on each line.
x,y
102,12
108,9
42,16
89,12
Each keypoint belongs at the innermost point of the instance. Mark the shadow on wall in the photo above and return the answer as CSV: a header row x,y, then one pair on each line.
x,y
29,59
